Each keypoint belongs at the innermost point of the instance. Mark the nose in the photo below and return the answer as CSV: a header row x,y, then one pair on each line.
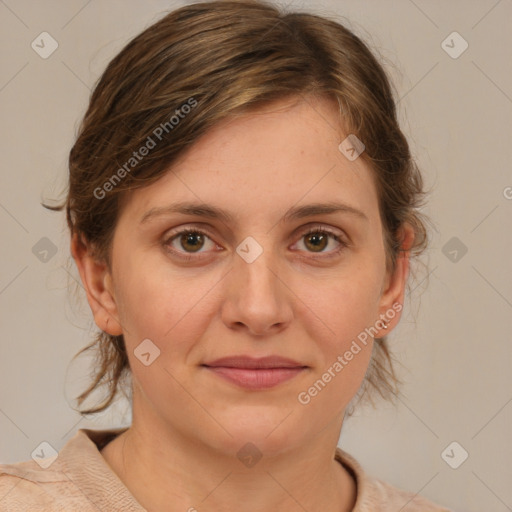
x,y
257,298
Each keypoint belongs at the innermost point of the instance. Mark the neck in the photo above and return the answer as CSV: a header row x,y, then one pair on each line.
x,y
168,471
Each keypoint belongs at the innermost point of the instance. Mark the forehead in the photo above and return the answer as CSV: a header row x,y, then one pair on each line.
x,y
264,162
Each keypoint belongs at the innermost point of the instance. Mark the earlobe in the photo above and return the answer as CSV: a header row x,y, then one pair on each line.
x,y
392,298
97,282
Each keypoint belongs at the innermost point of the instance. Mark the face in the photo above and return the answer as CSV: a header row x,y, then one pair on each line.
x,y
274,276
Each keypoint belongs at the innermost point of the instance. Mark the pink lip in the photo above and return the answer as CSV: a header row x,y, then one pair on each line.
x,y
255,373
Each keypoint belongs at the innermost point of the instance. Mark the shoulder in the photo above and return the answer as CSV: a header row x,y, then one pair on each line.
x,y
75,479
375,494
25,486
398,499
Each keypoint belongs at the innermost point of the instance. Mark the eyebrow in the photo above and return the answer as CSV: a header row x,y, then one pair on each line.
x,y
212,212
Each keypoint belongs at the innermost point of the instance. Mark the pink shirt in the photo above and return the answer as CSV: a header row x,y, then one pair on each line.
x,y
80,479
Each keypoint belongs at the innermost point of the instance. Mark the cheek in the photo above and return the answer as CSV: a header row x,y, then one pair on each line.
x,y
169,308
344,348
338,310
338,317
173,312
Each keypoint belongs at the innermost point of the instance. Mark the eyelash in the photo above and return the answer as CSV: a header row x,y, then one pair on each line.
x,y
313,230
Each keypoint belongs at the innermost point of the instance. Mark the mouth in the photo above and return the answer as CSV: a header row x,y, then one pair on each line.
x,y
255,373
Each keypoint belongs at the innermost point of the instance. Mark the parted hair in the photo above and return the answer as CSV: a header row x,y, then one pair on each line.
x,y
201,64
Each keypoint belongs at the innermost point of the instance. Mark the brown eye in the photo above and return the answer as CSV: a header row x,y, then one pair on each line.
x,y
317,241
189,242
320,240
192,241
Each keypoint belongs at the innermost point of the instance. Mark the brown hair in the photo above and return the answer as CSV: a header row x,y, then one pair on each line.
x,y
201,64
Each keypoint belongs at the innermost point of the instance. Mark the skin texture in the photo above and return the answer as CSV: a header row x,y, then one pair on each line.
x,y
293,300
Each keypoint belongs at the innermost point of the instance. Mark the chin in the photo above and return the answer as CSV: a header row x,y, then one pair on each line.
x,y
271,430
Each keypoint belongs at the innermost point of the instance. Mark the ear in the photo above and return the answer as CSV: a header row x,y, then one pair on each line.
x,y
393,292
97,281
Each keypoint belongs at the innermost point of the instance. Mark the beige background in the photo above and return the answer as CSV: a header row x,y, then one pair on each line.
x,y
454,341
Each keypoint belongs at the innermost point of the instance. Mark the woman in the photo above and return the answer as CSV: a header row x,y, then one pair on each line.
x,y
243,208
